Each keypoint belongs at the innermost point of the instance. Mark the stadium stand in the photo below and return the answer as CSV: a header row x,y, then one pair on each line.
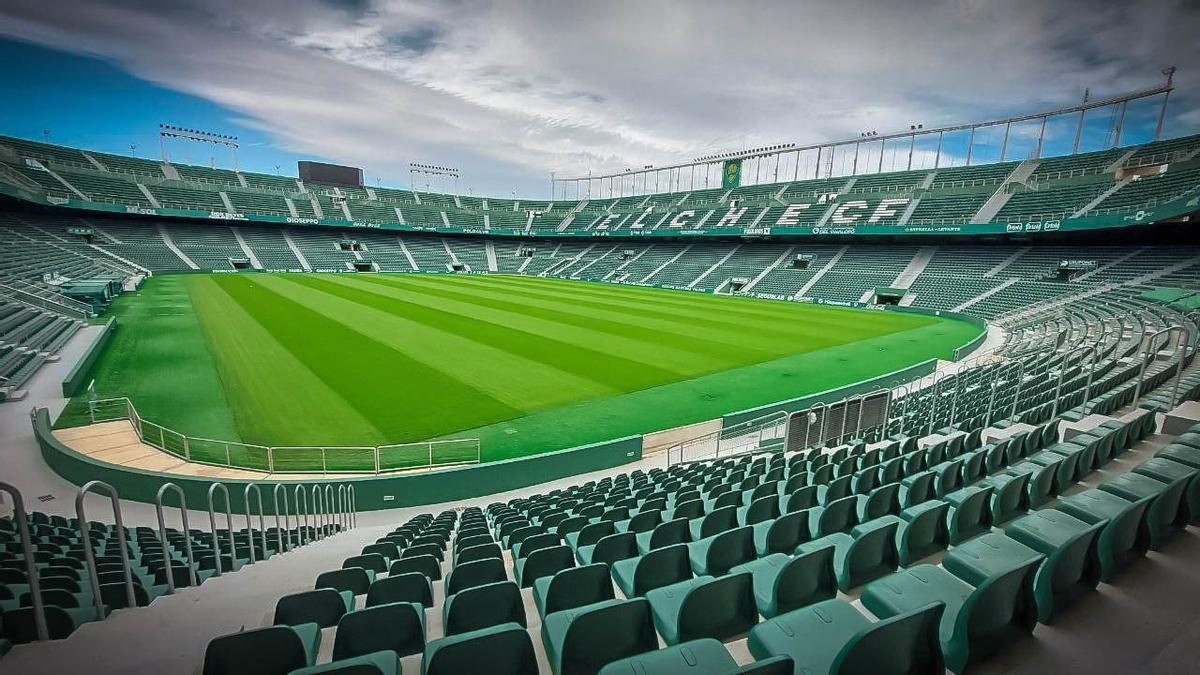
x,y
987,501
1125,180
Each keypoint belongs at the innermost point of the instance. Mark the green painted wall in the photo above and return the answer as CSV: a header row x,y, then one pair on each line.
x,y
77,379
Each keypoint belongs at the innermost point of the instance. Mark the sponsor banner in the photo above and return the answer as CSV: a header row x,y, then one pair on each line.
x,y
731,173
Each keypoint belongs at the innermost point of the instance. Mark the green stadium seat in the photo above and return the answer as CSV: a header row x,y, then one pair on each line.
x,y
397,627
697,657
977,621
1171,472
381,663
475,573
323,607
407,587
781,535
428,565
881,501
1124,537
865,554
658,568
356,580
783,582
585,639
1009,496
483,606
543,562
970,512
572,588
840,515
373,562
277,650
498,650
716,554
669,533
1072,565
800,499
720,608
1164,515
475,553
834,637
715,522
923,531
610,549
1040,481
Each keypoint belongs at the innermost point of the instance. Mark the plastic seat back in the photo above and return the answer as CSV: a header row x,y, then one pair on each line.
x,y
393,627
578,586
901,645
406,587
262,651
353,579
598,637
498,650
323,607
475,573
484,606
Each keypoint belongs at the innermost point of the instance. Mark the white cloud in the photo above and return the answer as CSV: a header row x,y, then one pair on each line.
x,y
512,90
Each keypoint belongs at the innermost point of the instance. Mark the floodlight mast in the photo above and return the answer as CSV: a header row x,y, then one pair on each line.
x,y
447,172
166,131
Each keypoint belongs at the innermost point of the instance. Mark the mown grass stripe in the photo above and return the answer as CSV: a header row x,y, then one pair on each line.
x,y
672,349
258,374
607,368
375,378
771,337
734,306
647,307
519,382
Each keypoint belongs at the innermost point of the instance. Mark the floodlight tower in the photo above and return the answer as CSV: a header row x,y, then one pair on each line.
x,y
166,131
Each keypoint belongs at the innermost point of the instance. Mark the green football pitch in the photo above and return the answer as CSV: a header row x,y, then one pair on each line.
x,y
524,364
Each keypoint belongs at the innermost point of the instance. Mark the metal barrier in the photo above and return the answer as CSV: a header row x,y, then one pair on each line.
x,y
285,544
90,555
318,504
331,515
728,440
187,539
286,459
212,522
301,500
262,523
342,509
31,571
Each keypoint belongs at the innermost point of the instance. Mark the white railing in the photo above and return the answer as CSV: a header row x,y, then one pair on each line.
x,y
730,440
289,459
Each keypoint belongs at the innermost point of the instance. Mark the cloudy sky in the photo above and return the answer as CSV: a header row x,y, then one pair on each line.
x,y
509,91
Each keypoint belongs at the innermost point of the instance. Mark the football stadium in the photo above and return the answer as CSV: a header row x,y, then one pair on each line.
x,y
657,397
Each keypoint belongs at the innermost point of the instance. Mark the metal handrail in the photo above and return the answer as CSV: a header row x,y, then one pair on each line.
x,y
187,539
285,545
342,509
31,571
212,522
262,524
318,504
353,497
330,505
301,499
1180,348
90,555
